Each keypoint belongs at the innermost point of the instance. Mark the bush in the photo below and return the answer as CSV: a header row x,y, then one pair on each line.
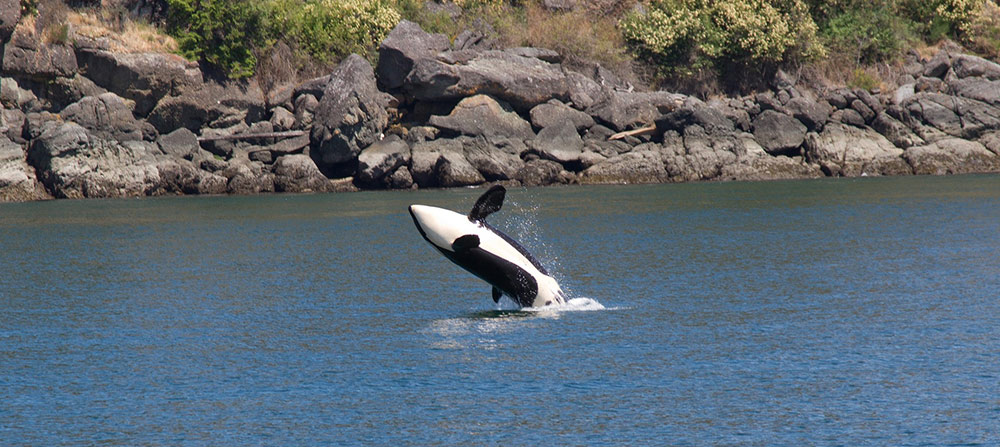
x,y
864,35
683,34
330,30
223,33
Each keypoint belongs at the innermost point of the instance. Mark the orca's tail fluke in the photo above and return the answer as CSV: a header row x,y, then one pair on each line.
x,y
488,203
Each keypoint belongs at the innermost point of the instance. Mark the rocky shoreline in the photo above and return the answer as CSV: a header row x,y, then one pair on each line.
x,y
81,121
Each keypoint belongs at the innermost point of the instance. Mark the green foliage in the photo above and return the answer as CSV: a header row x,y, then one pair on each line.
x,y
864,35
230,33
684,34
223,33
332,29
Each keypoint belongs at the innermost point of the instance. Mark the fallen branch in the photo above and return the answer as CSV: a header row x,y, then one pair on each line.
x,y
247,136
634,132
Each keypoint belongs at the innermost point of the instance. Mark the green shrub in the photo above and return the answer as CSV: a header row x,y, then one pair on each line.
x,y
864,35
329,30
223,33
681,35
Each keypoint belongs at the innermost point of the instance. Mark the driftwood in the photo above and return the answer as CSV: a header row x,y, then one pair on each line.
x,y
634,132
247,136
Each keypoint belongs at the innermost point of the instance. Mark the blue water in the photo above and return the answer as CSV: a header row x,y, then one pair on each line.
x,y
830,312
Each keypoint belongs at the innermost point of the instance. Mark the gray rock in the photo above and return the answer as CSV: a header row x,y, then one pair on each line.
x,y
453,169
555,112
866,113
305,110
848,116
967,65
248,177
481,115
559,5
282,119
290,145
767,167
188,111
12,96
896,132
625,110
778,133
12,123
18,182
61,92
495,158
979,89
381,159
26,56
351,115
811,113
630,168
696,113
524,82
952,156
181,143
179,176
401,179
955,116
850,151
76,164
559,143
298,173
424,160
400,50
105,116
10,14
541,173
141,77
939,64
903,94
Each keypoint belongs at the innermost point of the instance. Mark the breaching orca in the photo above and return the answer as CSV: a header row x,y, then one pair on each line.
x,y
486,252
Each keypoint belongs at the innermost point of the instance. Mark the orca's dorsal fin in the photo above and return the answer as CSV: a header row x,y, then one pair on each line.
x,y
488,203
467,242
497,293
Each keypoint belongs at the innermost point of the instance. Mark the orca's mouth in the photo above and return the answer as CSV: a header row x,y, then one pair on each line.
x,y
416,222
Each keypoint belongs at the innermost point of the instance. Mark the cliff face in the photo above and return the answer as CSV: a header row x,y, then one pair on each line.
x,y
82,121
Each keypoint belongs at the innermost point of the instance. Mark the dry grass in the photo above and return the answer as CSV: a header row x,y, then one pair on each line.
x,y
128,37
577,35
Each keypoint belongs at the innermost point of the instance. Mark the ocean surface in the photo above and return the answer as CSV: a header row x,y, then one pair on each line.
x,y
835,312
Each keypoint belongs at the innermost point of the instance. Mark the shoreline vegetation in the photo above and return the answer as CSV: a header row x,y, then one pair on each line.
x,y
127,98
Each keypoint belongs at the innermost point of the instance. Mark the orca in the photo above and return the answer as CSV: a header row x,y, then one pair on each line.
x,y
489,254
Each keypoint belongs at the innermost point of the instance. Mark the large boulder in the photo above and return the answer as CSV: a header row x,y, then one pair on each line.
x,y
542,172
299,173
967,65
351,116
642,166
141,77
179,176
381,159
25,55
179,144
18,182
555,112
10,14
851,152
74,163
778,133
481,115
560,143
624,110
406,44
107,116
496,158
953,115
952,156
509,75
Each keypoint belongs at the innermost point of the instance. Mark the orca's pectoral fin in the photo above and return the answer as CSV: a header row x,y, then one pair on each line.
x,y
488,203
497,293
469,241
